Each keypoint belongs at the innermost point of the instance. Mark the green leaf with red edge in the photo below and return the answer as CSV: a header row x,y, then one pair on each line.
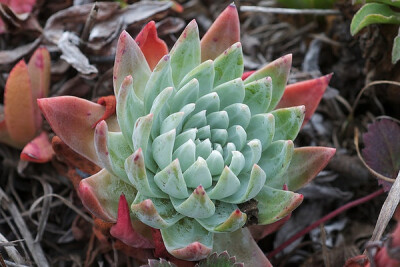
x,y
306,163
308,93
19,106
224,32
123,229
382,148
38,150
100,194
153,48
72,118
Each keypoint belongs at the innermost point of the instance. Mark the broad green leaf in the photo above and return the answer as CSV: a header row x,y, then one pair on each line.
x,y
170,180
197,205
288,122
373,13
229,65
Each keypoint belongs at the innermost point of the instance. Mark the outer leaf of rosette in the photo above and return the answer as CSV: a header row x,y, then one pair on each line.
x,y
288,122
129,60
227,218
155,212
162,148
258,95
100,194
186,95
278,70
262,127
140,178
230,92
275,204
185,54
160,78
112,150
204,73
188,240
129,109
250,186
197,205
275,161
306,163
227,185
170,180
229,65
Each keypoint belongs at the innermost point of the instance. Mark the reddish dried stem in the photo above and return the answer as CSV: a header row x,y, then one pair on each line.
x,y
323,220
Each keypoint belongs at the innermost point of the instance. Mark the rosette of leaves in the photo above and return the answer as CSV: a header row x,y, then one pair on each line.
x,y
378,12
194,143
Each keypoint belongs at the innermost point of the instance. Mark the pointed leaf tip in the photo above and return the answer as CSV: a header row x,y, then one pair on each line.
x,y
153,48
224,32
308,93
39,150
123,229
193,252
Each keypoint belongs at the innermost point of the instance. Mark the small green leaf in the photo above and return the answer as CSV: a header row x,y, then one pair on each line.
x,y
396,50
262,127
229,65
197,205
204,73
227,185
170,180
373,13
230,92
288,122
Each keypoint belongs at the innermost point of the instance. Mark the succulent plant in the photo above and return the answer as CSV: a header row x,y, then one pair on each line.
x,y
193,146
21,122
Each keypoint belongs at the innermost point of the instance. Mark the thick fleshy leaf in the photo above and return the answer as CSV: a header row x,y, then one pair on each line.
x,y
170,180
141,132
71,118
186,95
129,60
186,154
218,120
38,150
382,147
278,70
262,127
275,161
252,154
185,54
208,102
227,185
307,93
227,218
250,186
153,48
162,148
258,95
306,163
198,174
204,73
229,65
129,108
187,240
288,122
197,205
123,229
239,114
372,13
142,180
100,194
274,204
224,32
155,212
241,244
39,73
215,162
238,136
18,104
230,92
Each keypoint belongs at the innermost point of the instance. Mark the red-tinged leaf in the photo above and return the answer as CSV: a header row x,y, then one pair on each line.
x,y
20,6
123,229
247,74
382,148
357,261
110,103
224,32
73,159
5,136
100,193
306,163
308,93
38,150
72,118
260,231
153,48
19,106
